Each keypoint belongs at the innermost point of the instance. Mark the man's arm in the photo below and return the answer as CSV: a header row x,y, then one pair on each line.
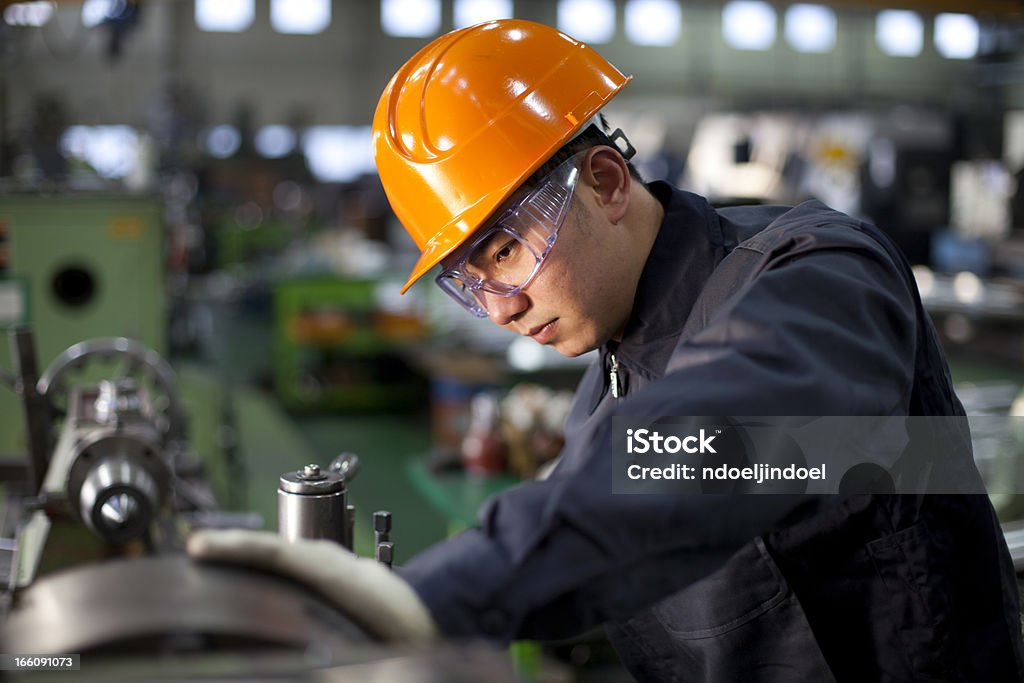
x,y
831,332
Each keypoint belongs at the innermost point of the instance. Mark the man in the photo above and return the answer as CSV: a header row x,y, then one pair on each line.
x,y
491,148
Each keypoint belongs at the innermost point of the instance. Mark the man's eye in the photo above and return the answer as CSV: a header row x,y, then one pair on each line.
x,y
505,252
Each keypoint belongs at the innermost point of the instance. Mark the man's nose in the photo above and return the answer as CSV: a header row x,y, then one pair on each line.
x,y
505,309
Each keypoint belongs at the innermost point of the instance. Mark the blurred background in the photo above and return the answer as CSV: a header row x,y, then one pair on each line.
x,y
196,176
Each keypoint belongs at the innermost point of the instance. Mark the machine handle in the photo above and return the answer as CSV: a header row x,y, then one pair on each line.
x,y
347,465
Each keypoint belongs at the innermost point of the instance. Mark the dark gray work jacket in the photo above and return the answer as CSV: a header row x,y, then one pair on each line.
x,y
749,311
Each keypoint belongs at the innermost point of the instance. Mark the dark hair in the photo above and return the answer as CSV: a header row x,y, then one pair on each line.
x,y
594,135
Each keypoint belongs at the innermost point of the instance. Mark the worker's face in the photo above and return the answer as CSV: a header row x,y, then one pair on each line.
x,y
582,295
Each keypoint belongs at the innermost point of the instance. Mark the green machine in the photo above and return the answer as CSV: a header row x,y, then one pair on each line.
x,y
337,348
78,266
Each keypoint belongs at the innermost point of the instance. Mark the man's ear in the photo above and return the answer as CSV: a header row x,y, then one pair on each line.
x,y
604,171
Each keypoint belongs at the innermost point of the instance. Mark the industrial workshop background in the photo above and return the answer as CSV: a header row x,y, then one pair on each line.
x,y
191,222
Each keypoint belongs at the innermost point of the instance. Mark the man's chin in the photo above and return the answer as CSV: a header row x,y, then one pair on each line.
x,y
570,350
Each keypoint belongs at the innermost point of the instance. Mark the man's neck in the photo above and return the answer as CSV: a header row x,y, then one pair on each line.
x,y
645,216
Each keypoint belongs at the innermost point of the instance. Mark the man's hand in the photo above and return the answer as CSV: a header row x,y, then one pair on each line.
x,y
363,589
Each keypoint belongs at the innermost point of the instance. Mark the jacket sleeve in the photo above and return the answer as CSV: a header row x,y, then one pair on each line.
x,y
828,332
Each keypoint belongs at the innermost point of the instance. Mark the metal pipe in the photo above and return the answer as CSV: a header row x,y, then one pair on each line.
x,y
38,420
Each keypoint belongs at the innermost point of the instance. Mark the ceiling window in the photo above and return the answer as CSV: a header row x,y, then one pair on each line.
x,y
592,21
338,153
749,24
300,16
472,12
410,18
810,28
899,33
653,22
28,13
957,36
224,16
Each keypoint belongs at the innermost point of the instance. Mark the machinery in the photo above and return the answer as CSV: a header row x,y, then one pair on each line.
x,y
112,463
68,256
92,527
108,457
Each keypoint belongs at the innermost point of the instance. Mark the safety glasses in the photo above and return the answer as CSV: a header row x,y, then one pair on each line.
x,y
506,257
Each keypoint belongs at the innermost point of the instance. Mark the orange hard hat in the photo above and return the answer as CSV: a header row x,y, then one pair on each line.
x,y
471,116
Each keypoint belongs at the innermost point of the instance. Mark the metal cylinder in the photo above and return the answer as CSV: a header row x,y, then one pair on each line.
x,y
114,478
119,498
311,504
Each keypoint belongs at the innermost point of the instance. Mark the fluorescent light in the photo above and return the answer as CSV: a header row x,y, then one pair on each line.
x,y
304,17
899,33
749,24
410,18
274,141
653,22
223,141
338,153
472,12
592,21
28,13
95,11
810,28
112,151
224,16
957,36
968,287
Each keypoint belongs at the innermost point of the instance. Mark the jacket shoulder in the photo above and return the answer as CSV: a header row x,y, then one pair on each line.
x,y
809,226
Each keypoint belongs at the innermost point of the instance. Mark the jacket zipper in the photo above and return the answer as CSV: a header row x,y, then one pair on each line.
x,y
613,375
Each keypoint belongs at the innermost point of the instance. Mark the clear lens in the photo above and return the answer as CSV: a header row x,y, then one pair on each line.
x,y
507,257
457,290
503,260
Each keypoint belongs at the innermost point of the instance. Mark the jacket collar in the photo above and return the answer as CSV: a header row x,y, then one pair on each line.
x,y
687,249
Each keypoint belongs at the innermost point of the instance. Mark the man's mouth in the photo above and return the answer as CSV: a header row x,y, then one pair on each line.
x,y
542,334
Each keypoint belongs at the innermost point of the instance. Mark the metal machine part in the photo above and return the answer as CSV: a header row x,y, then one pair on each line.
x,y
37,418
113,459
137,361
384,549
207,622
350,526
105,455
107,465
161,604
385,553
118,499
347,465
312,504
